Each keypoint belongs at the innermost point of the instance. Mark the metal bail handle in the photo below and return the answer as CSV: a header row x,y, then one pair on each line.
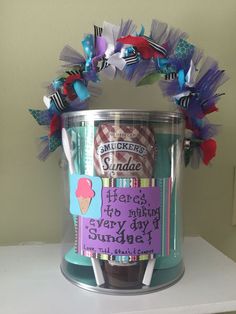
x,y
189,146
188,149
191,143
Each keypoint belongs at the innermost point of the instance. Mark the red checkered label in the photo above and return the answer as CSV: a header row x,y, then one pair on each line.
x,y
124,151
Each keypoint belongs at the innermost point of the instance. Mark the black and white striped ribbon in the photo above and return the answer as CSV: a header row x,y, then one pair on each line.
x,y
184,101
102,64
132,59
97,31
72,72
157,47
56,98
170,76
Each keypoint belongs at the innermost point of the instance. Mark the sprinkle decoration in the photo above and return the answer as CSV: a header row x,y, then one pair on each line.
x,y
185,76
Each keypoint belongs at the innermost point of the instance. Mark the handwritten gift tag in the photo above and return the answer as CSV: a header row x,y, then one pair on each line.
x,y
129,223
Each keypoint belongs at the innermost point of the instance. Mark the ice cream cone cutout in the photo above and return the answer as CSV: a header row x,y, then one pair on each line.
x,y
84,194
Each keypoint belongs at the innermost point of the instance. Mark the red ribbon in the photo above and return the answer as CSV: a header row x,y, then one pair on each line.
x,y
68,89
142,45
55,124
210,109
208,148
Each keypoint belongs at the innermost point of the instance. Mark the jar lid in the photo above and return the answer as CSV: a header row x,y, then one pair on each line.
x,y
122,114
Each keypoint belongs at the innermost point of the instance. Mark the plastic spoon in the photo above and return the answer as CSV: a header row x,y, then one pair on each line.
x,y
67,149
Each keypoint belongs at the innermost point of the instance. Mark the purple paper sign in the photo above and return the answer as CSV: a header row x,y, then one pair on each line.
x,y
130,223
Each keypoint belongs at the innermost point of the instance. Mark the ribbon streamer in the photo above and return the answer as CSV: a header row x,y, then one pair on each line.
x,y
157,47
72,72
55,125
97,32
81,90
146,47
71,56
171,76
149,79
54,142
57,102
184,101
88,45
130,56
184,50
208,148
102,64
43,117
113,59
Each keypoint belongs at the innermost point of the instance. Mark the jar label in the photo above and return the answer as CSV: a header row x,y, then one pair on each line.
x,y
124,150
134,218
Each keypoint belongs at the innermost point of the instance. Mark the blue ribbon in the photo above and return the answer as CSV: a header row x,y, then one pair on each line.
x,y
88,45
181,78
141,33
162,62
57,84
81,90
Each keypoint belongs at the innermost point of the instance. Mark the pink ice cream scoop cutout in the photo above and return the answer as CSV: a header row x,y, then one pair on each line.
x,y
84,194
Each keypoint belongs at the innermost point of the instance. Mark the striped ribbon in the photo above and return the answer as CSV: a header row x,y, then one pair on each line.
x,y
184,101
129,182
155,46
57,100
72,72
171,76
121,259
102,64
131,56
131,59
97,31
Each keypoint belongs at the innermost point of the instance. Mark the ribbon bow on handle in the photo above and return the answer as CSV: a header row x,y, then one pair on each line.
x,y
145,46
113,59
100,51
199,96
